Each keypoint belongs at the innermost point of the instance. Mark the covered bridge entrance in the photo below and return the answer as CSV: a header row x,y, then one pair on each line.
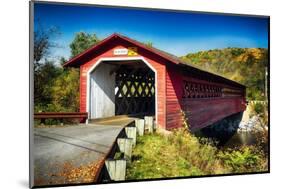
x,y
121,86
121,76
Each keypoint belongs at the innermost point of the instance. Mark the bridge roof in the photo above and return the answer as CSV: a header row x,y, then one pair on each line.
x,y
76,61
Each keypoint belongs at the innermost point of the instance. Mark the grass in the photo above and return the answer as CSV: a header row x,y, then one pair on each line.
x,y
182,154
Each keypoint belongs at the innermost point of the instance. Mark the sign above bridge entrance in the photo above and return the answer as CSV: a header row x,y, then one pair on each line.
x,y
120,51
131,51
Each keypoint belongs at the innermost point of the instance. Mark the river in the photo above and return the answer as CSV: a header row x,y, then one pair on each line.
x,y
241,139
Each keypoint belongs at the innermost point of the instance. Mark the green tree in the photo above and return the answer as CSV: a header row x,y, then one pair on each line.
x,y
149,44
81,42
44,70
44,79
65,89
62,61
57,88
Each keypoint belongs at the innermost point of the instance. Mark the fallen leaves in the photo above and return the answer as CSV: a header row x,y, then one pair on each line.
x,y
81,174
69,173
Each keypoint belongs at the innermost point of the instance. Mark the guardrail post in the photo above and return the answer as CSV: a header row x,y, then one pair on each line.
x,y
131,132
116,169
125,145
149,123
140,126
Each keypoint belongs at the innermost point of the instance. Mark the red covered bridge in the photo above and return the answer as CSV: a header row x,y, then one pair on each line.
x,y
120,76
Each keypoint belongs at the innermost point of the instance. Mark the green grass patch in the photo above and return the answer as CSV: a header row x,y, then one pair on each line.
x,y
182,154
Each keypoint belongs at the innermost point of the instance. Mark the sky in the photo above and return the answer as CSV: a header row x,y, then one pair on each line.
x,y
178,33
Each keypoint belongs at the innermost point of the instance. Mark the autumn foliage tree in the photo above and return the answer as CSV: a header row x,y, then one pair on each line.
x,y
56,89
65,91
244,65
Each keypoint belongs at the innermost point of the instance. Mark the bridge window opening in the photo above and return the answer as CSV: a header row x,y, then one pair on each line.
x,y
201,90
232,92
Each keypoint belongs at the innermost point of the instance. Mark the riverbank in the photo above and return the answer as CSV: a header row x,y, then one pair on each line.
x,y
253,128
182,154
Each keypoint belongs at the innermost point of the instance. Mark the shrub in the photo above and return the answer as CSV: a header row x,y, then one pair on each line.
x,y
243,160
200,152
258,108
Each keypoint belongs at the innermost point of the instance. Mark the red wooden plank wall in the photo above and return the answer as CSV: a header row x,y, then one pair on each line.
x,y
174,91
200,112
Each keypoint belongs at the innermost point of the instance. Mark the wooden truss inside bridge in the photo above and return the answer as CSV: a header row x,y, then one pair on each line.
x,y
135,91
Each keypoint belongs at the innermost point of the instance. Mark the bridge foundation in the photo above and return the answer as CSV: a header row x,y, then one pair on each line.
x,y
223,129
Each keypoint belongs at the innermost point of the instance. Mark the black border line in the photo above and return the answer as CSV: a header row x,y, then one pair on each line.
x,y
31,13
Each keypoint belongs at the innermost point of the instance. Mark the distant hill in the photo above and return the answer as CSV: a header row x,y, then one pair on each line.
x,y
244,65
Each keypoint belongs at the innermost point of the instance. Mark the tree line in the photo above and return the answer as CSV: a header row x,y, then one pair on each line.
x,y
247,66
56,89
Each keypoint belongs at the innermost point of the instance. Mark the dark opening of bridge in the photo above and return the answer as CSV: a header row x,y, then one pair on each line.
x,y
122,88
134,91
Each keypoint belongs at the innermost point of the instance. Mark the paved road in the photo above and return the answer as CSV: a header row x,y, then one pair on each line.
x,y
69,147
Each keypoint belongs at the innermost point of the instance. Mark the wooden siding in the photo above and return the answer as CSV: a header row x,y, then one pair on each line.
x,y
204,112
174,90
102,96
200,111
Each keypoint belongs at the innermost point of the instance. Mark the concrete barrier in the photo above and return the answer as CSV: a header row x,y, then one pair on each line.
x,y
116,169
140,126
125,146
131,132
148,121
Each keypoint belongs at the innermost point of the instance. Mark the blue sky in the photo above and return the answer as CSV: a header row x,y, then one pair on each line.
x,y
178,33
